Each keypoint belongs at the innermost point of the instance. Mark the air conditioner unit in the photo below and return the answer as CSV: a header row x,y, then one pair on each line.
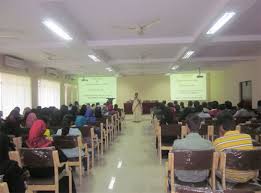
x,y
51,72
14,62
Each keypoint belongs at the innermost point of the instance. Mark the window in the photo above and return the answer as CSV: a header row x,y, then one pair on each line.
x,y
48,93
14,91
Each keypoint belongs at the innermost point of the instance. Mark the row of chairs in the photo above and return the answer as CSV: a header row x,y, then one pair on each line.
x,y
187,160
166,134
90,146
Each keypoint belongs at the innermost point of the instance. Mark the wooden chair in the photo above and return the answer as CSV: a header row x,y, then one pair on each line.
x,y
166,136
102,139
184,131
240,160
207,131
110,129
92,141
69,142
123,121
45,157
190,160
15,156
4,187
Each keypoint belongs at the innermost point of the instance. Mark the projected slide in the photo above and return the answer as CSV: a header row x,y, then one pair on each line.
x,y
96,89
188,87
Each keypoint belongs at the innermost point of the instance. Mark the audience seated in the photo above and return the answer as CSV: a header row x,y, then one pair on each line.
x,y
13,175
68,131
242,111
214,109
193,141
233,139
98,111
37,139
13,122
204,112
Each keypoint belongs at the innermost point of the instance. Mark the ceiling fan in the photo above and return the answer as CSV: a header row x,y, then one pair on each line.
x,y
139,29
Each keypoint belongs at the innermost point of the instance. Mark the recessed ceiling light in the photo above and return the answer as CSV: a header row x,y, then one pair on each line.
x,y
55,28
109,69
188,54
94,58
221,22
175,67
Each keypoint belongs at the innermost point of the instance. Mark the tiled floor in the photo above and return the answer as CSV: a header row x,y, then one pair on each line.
x,y
131,162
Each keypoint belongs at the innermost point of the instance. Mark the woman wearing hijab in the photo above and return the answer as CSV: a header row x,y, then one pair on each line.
x,y
36,137
13,175
13,123
31,118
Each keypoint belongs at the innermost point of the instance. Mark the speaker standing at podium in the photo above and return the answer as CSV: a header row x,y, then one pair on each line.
x,y
136,108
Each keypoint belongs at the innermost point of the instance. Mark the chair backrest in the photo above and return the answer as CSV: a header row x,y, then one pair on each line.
x,y
243,160
65,142
238,191
203,131
193,160
86,131
37,157
4,187
171,130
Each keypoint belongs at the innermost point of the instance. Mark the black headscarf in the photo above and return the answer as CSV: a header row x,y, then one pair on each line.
x,y
4,147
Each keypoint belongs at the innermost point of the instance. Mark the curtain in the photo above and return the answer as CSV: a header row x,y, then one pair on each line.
x,y
14,91
48,93
70,94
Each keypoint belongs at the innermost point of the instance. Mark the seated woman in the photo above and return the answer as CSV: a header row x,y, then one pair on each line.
x,y
37,139
30,119
13,175
68,131
80,120
13,123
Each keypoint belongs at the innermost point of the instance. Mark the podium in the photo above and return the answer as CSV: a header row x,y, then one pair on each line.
x,y
147,105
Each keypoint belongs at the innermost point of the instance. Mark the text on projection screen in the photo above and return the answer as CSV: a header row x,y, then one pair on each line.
x,y
96,89
188,87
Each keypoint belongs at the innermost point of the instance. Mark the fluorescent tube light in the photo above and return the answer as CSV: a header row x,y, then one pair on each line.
x,y
175,67
109,69
113,179
188,54
94,58
221,22
55,28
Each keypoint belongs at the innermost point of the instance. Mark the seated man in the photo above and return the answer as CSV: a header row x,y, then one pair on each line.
x,y
193,141
233,139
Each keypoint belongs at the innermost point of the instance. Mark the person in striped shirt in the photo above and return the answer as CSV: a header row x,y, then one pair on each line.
x,y
233,139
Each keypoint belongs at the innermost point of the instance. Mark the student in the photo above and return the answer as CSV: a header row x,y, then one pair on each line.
x,y
193,141
68,131
98,111
203,114
214,111
31,118
13,122
242,111
36,138
233,139
13,175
